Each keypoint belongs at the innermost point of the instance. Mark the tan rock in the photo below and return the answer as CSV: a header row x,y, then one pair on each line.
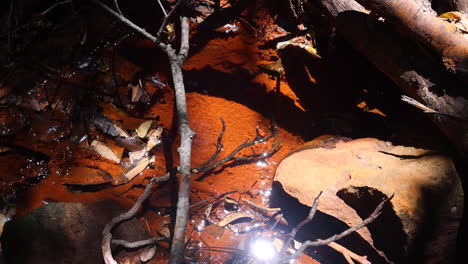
x,y
417,178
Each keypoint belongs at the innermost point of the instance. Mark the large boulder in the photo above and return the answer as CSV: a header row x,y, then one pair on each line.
x,y
65,233
355,175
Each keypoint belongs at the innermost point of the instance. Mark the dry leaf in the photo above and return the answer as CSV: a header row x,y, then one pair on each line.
x,y
214,230
232,217
104,151
84,176
4,149
136,156
137,169
303,42
142,130
147,253
154,138
164,230
229,200
208,210
108,126
125,260
453,15
137,92
130,143
121,131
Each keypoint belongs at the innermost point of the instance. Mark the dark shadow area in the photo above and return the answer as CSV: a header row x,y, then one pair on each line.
x,y
430,153
322,226
387,230
431,229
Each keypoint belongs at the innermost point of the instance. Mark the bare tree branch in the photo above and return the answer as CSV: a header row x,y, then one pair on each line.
x,y
162,8
302,223
211,198
323,242
247,143
219,147
184,40
107,232
348,254
137,244
116,3
176,61
128,22
262,208
54,6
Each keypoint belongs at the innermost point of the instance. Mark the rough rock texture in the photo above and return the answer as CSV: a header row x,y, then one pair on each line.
x,y
356,175
65,233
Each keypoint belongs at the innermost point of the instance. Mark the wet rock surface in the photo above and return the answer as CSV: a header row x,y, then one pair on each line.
x,y
355,176
65,233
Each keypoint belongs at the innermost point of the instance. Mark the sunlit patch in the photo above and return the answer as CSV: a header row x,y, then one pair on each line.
x,y
262,249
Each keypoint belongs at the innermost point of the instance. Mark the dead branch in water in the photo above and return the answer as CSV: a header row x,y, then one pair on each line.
x,y
209,165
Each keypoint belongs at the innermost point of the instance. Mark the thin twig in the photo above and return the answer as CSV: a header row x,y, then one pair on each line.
x,y
263,208
302,223
428,110
322,242
219,147
247,143
214,197
116,3
162,8
54,6
107,232
128,22
137,244
348,254
417,104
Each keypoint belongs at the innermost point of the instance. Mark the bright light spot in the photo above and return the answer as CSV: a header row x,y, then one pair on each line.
x,y
262,164
266,192
262,249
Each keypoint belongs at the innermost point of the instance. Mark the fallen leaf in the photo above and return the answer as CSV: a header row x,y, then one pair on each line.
x,y
137,92
164,230
104,151
142,130
453,15
154,138
4,149
214,230
87,176
229,200
136,156
107,126
147,253
233,217
208,210
137,169
130,143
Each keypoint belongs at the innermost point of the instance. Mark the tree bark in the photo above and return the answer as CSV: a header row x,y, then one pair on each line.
x,y
441,37
335,7
411,70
